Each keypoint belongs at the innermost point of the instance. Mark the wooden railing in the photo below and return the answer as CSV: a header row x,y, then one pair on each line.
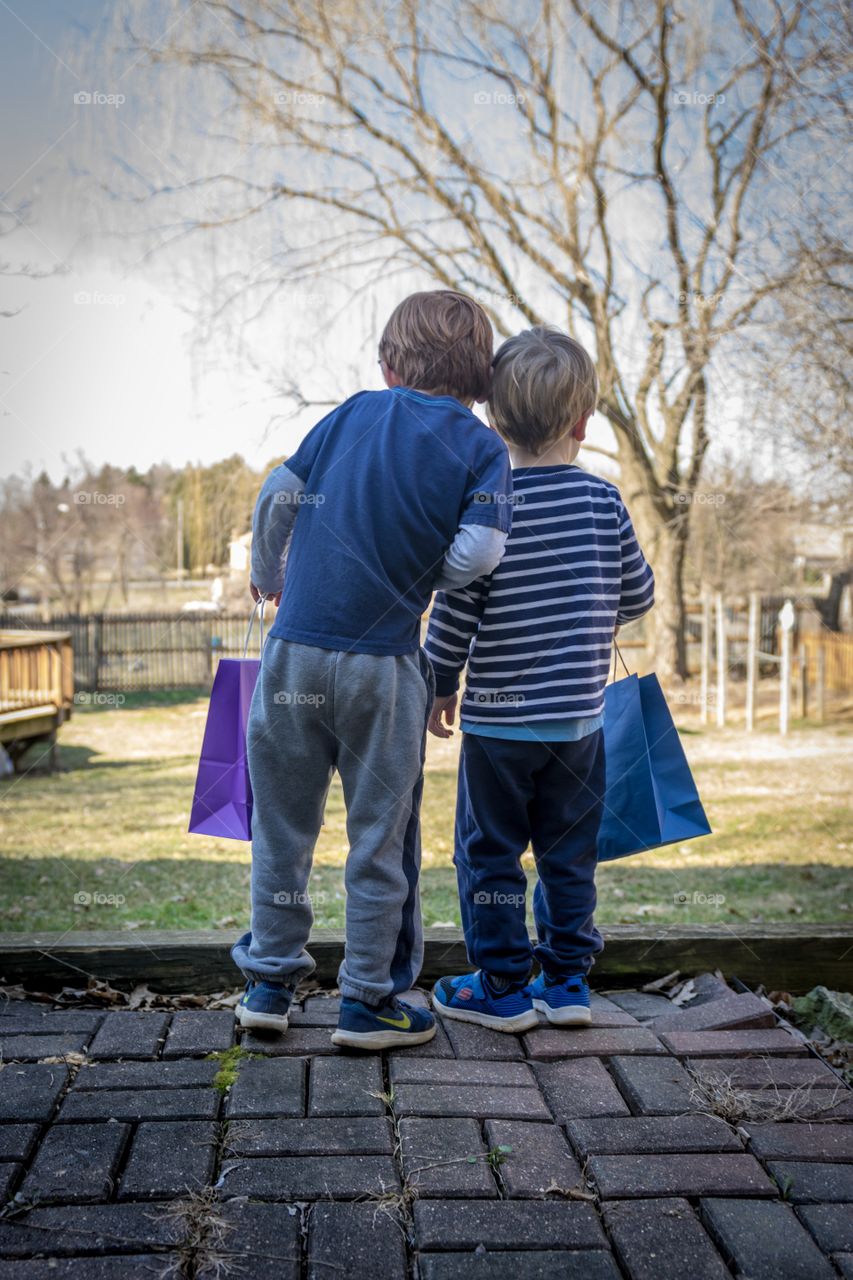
x,y
828,657
36,671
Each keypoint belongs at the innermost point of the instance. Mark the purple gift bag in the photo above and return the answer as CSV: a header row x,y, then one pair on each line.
x,y
222,800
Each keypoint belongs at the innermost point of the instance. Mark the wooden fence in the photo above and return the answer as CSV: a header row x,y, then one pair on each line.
x,y
143,652
828,659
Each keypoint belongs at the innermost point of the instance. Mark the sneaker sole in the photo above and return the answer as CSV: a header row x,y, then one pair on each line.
x,y
381,1039
261,1021
571,1016
521,1021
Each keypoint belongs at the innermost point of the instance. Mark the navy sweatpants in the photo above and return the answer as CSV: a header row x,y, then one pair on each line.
x,y
548,795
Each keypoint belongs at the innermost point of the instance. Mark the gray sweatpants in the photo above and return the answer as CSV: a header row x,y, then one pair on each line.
x,y
314,711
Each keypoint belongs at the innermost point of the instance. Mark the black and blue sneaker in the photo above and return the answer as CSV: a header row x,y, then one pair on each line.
x,y
392,1025
490,1002
564,1001
264,1006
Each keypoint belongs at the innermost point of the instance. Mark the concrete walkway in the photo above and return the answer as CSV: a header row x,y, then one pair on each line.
x,y
659,1143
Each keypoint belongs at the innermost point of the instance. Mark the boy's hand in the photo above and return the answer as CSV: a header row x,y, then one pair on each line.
x,y
257,595
443,707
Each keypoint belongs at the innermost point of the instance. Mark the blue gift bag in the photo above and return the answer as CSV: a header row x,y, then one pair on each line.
x,y
651,798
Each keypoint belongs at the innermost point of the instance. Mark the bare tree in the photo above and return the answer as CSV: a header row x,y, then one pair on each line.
x,y
654,176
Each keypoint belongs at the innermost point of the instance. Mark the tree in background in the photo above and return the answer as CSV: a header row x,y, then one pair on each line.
x,y
653,177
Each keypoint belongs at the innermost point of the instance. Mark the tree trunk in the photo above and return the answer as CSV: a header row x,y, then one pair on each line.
x,y
664,545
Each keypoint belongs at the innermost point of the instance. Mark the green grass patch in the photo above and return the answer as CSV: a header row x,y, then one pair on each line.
x,y
229,1061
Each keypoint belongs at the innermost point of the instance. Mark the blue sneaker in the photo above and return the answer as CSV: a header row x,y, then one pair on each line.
x,y
564,1001
473,998
264,1006
392,1025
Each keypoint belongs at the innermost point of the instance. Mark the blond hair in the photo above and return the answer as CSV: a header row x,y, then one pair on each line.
x,y
440,341
543,383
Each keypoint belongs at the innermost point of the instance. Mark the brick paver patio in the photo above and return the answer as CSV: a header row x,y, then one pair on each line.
x,y
126,1151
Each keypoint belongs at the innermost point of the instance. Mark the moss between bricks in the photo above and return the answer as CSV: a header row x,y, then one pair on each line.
x,y
229,1065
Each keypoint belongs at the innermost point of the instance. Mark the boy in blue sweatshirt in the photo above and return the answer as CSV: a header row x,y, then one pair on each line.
x,y
537,636
393,495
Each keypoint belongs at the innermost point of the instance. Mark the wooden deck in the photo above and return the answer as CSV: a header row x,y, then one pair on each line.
x,y
36,690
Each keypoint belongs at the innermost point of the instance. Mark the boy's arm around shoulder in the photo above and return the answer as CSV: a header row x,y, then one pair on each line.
x,y
272,524
638,581
484,521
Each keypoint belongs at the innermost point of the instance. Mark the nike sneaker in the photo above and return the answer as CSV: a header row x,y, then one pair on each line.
x,y
392,1025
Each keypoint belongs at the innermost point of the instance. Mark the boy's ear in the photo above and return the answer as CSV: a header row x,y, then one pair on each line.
x,y
579,429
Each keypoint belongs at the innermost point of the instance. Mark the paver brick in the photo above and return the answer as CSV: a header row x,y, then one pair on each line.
x,y
844,1263
539,1158
76,1163
372,1243
605,1013
579,1088
731,1013
261,1241
527,1264
17,1140
830,1224
643,1005
654,1086
707,987
31,1092
198,1031
465,1072
446,1158
306,1042
640,1176
51,1022
95,1228
727,1044
34,1048
169,1158
129,1034
179,1073
452,1100
811,1183
662,1240
592,1042
327,1135
268,1087
138,1267
317,1011
140,1104
312,1178
346,1086
652,1134
764,1240
829,1143
472,1041
761,1073
501,1224
10,1173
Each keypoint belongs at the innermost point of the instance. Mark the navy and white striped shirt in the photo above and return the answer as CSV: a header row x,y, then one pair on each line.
x,y
537,633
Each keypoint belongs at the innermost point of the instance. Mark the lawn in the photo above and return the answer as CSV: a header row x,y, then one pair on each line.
x,y
112,828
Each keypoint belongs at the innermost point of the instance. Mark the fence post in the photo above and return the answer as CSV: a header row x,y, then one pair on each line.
x,y
802,685
821,682
705,661
722,661
752,645
786,622
97,646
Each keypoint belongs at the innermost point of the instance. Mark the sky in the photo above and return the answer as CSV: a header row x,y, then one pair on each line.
x,y
99,359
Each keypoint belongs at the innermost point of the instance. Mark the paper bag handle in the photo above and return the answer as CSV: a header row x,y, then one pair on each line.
x,y
257,612
618,652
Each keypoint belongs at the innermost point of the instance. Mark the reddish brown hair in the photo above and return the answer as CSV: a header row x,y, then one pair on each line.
x,y
440,341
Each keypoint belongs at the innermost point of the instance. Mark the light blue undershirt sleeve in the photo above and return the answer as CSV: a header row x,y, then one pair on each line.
x,y
272,524
475,552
